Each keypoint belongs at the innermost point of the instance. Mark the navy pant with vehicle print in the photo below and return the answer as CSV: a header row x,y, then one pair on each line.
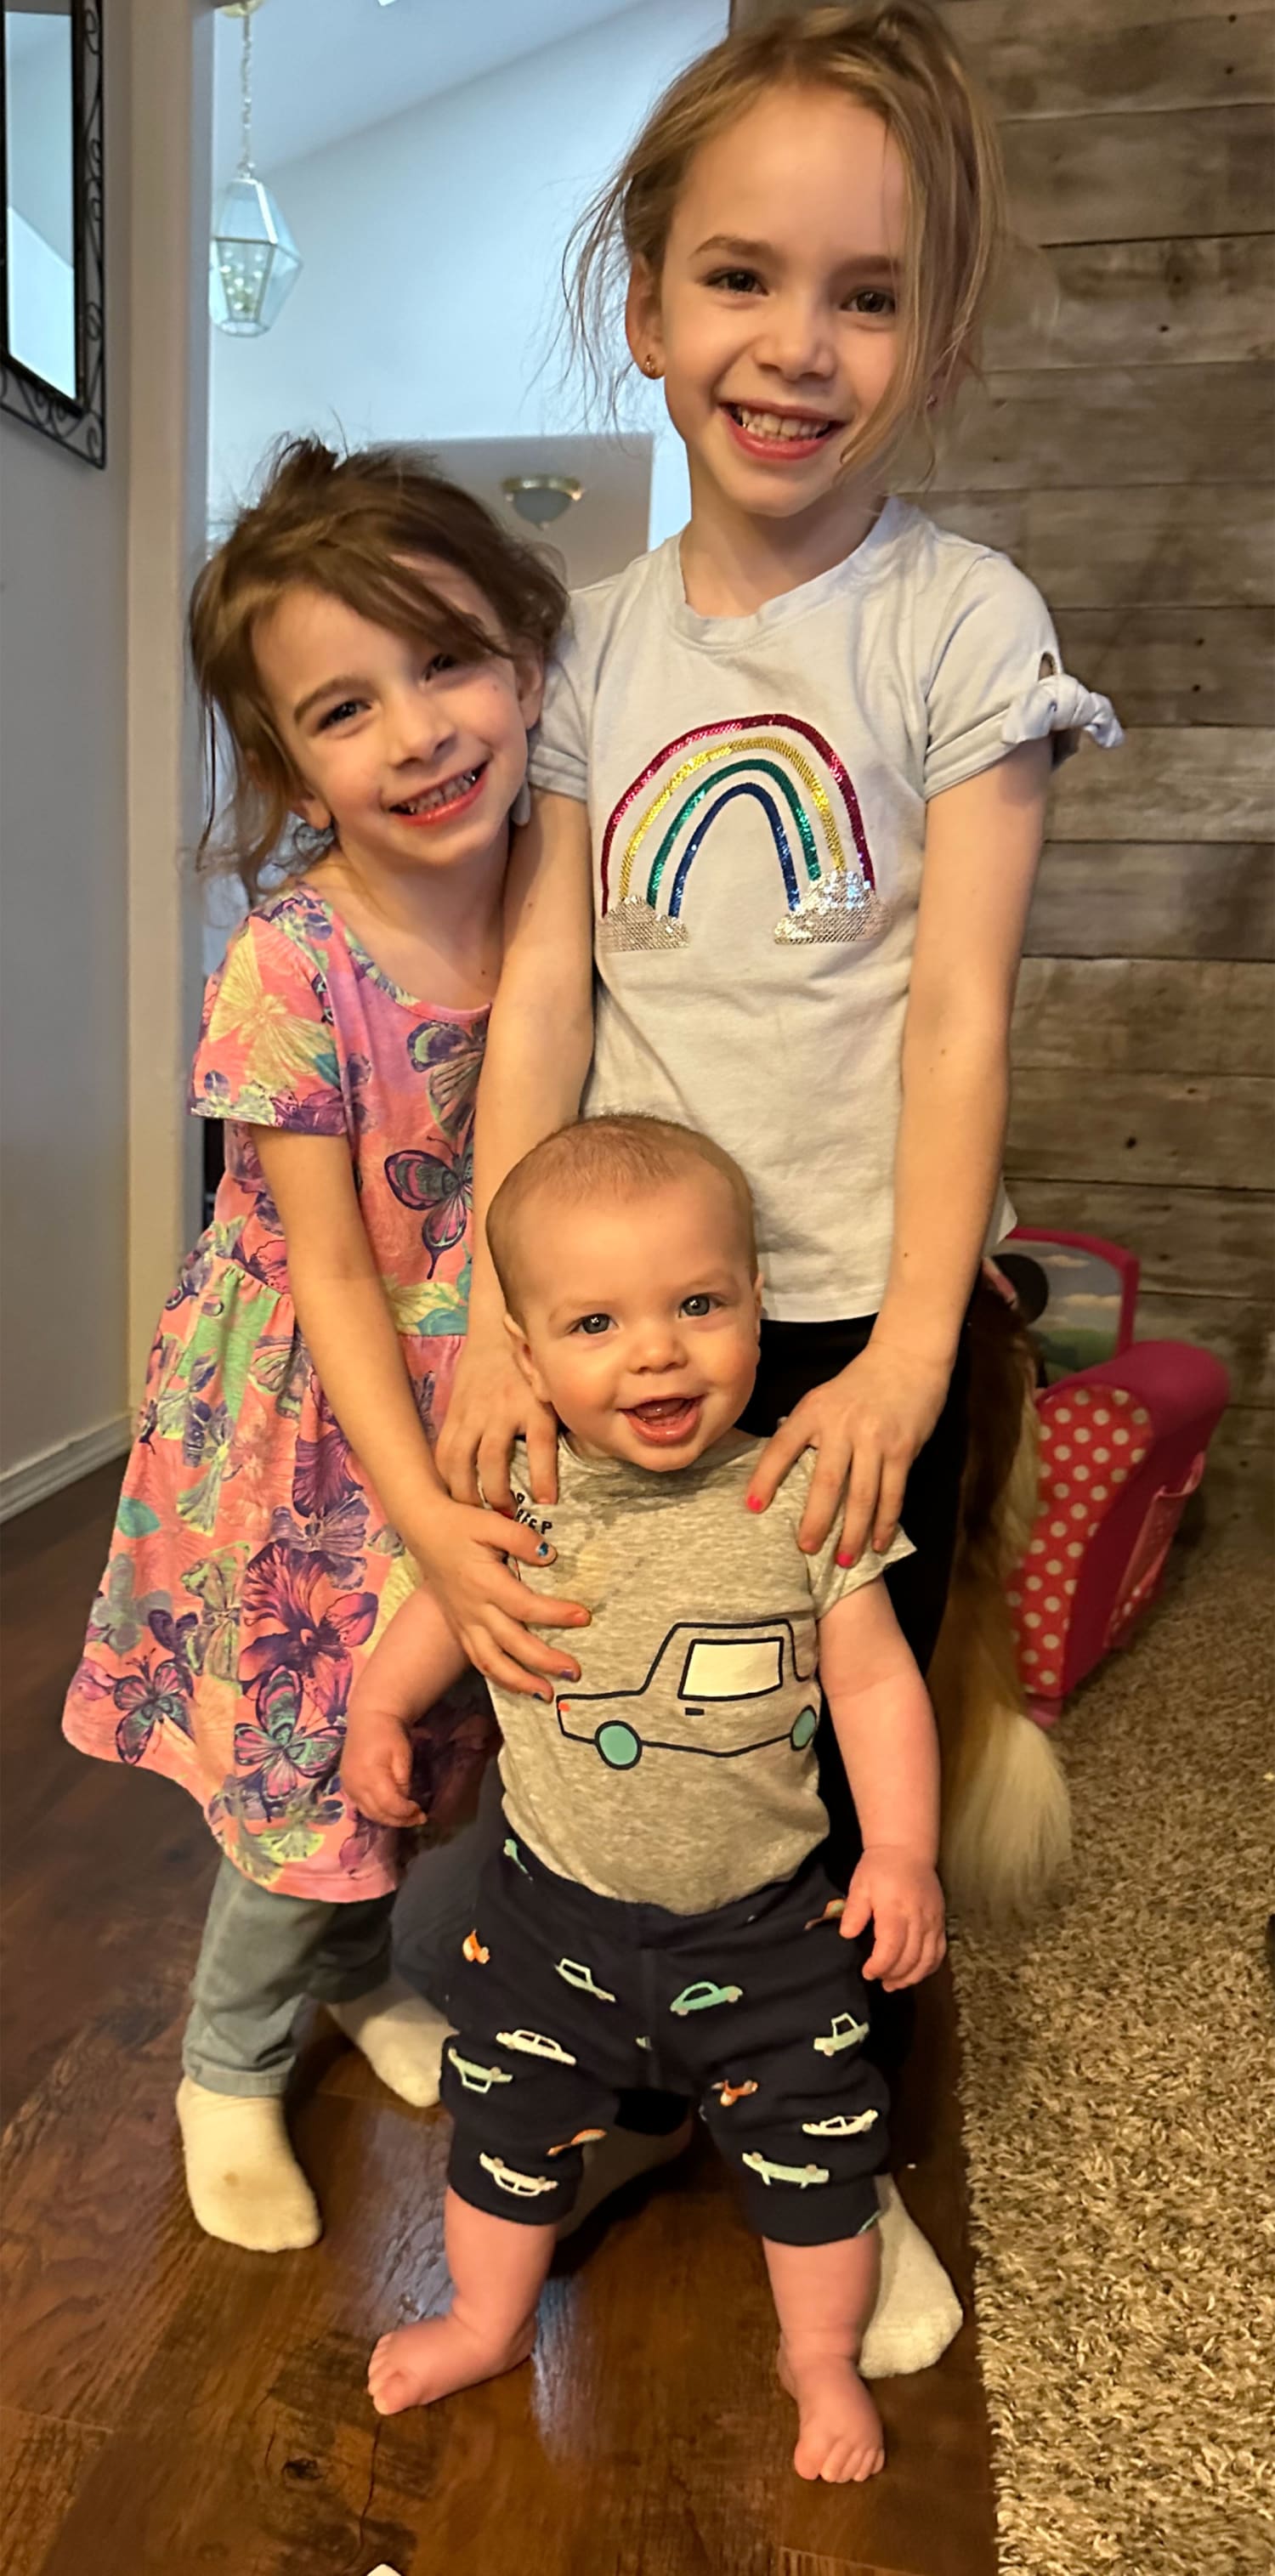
x,y
566,2000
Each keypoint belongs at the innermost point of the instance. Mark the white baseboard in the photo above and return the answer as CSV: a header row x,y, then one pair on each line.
x,y
38,1477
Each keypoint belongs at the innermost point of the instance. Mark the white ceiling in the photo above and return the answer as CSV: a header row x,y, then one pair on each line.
x,y
327,68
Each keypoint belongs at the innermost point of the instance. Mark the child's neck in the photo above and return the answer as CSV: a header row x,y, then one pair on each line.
x,y
437,934
733,562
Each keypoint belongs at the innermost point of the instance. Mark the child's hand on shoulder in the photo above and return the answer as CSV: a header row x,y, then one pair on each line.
x,y
462,1555
899,1894
376,1765
866,1425
492,1406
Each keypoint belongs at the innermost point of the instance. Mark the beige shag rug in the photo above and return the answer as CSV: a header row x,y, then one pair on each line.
x,y
1119,2099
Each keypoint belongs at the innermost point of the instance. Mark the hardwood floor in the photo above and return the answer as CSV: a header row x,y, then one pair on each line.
x,y
172,2405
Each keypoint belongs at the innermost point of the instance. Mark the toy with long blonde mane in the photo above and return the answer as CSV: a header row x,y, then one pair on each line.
x,y
1006,1814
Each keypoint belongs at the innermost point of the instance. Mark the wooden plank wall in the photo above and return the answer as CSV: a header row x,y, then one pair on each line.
x,y
1121,449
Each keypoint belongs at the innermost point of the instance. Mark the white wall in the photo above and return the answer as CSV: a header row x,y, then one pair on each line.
x,y
64,895
97,939
432,245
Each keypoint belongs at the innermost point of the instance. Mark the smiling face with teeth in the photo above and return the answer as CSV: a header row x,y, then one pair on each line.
x,y
639,1316
413,758
774,319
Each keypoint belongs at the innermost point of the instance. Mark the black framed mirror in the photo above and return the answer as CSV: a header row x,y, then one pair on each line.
x,y
52,311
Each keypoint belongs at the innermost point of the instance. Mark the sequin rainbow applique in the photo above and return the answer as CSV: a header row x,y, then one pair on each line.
x,y
655,833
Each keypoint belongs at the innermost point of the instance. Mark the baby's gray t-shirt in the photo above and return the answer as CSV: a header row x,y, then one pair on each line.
x,y
680,1770
757,790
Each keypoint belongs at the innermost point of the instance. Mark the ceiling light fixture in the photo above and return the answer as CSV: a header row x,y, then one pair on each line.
x,y
541,498
253,260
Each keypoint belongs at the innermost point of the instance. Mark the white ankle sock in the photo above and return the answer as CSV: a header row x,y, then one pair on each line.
x,y
400,2035
917,2311
244,2182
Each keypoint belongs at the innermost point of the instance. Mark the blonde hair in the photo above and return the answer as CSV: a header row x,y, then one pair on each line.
x,y
613,1157
893,56
352,526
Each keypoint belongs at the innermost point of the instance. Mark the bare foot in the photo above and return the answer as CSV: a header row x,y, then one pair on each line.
x,y
840,2438
417,2364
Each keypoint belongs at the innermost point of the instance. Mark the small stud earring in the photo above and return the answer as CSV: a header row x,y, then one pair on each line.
x,y
650,366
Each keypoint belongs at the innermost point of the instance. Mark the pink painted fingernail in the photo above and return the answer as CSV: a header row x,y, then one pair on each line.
x,y
754,1502
843,1559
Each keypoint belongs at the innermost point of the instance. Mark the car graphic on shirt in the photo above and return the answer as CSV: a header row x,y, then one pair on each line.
x,y
803,2175
523,2186
574,1973
697,1998
842,2125
477,2079
535,2043
718,1689
845,2032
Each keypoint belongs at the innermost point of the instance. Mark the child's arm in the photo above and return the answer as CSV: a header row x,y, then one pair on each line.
x,y
354,1344
982,844
415,1662
537,1055
885,1729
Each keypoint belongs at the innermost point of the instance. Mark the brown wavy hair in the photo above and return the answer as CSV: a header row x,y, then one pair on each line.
x,y
893,56
354,526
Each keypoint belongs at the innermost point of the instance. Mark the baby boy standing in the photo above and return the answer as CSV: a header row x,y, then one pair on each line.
x,y
660,1912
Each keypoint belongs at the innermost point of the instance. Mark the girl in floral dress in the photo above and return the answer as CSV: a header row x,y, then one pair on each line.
x,y
369,645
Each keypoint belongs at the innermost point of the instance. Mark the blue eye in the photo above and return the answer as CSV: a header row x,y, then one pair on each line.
x,y
700,1304
592,1324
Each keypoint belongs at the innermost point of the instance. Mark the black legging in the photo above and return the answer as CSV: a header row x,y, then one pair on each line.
x,y
794,1359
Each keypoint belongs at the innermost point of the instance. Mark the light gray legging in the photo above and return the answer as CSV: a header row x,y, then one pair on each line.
x,y
262,1956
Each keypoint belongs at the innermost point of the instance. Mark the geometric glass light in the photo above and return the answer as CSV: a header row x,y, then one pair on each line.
x,y
253,260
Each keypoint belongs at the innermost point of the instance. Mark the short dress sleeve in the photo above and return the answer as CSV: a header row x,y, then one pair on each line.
x,y
830,1582
560,752
996,680
267,1051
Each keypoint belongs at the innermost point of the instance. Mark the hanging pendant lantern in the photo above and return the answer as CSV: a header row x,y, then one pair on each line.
x,y
253,259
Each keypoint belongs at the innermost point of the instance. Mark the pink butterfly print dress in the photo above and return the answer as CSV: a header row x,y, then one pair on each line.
x,y
251,1566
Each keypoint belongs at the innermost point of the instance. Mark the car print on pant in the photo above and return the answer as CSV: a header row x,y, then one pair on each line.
x,y
512,1853
523,2186
803,2175
732,2092
699,1997
841,2125
582,2138
535,2043
477,2079
573,1973
735,1675
845,2032
472,1949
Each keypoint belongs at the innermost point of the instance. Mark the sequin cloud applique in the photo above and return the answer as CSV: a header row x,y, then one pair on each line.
x,y
661,823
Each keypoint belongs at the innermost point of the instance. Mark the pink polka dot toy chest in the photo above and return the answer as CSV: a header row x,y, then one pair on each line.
x,y
1124,1429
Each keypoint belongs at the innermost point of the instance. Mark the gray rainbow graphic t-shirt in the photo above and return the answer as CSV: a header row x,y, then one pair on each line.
x,y
680,1770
